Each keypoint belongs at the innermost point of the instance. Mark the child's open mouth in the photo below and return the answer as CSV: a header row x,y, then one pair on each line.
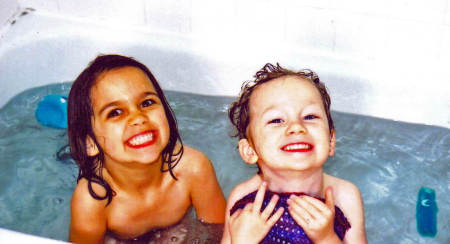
x,y
297,147
142,139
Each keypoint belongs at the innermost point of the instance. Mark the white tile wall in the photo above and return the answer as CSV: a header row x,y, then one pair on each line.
x,y
444,54
169,15
213,19
347,27
447,13
7,9
321,4
408,42
419,10
311,28
112,11
43,5
360,36
412,10
262,24
394,37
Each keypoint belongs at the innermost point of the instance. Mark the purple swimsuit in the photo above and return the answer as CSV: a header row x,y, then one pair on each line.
x,y
286,230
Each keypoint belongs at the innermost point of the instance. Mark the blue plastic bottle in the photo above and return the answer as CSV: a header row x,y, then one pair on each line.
x,y
426,212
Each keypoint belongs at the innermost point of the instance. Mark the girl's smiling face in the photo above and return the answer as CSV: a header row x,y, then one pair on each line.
x,y
129,120
288,126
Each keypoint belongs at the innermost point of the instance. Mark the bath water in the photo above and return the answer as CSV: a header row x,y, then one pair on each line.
x,y
389,161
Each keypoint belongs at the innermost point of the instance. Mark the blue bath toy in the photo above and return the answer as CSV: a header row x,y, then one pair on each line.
x,y
426,212
52,111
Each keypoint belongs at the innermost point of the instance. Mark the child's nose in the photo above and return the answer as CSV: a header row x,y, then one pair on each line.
x,y
137,118
296,127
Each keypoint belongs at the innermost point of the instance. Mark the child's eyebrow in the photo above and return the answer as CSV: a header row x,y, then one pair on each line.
x,y
105,107
150,93
269,108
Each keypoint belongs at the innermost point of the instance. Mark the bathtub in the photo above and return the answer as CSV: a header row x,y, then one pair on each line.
x,y
39,49
37,42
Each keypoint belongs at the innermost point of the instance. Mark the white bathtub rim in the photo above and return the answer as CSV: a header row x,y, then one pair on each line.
x,y
9,236
227,69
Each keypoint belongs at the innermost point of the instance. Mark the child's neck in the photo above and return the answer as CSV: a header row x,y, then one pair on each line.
x,y
134,177
309,182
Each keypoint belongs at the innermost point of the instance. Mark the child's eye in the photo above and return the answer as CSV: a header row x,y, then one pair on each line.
x,y
276,121
310,117
114,113
147,103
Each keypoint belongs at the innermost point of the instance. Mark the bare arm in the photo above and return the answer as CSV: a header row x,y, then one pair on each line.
x,y
226,237
206,194
353,208
88,219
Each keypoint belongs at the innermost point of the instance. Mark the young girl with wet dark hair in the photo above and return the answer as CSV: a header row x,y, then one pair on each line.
x,y
135,175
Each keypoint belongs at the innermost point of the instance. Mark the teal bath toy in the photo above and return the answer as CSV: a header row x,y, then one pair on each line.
x,y
426,212
52,111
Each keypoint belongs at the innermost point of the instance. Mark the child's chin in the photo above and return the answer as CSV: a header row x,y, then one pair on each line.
x,y
147,158
302,166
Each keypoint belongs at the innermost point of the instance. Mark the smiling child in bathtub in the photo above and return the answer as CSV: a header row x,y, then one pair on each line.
x,y
284,125
135,175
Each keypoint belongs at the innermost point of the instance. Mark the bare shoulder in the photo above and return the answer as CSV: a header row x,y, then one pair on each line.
x,y
83,202
196,172
243,189
345,192
348,197
193,162
88,215
82,196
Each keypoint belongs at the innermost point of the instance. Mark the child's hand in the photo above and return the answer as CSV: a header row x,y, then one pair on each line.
x,y
250,225
315,217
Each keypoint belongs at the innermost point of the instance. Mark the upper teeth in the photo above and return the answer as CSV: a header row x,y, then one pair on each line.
x,y
141,139
297,146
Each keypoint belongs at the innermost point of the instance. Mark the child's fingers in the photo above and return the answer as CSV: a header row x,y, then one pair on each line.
x,y
259,198
300,215
270,207
311,213
235,215
274,218
248,207
315,206
329,198
307,211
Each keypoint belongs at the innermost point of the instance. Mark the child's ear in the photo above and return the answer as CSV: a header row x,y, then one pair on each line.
x,y
91,147
332,143
247,152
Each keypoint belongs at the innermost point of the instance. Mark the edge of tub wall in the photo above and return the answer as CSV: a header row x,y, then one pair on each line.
x,y
9,236
216,66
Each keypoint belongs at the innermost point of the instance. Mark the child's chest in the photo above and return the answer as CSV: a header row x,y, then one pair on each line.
x,y
130,216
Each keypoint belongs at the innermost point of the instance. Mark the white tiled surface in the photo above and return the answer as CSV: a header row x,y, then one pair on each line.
x,y
7,9
8,236
213,19
169,15
447,13
47,5
388,48
345,27
311,28
360,36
